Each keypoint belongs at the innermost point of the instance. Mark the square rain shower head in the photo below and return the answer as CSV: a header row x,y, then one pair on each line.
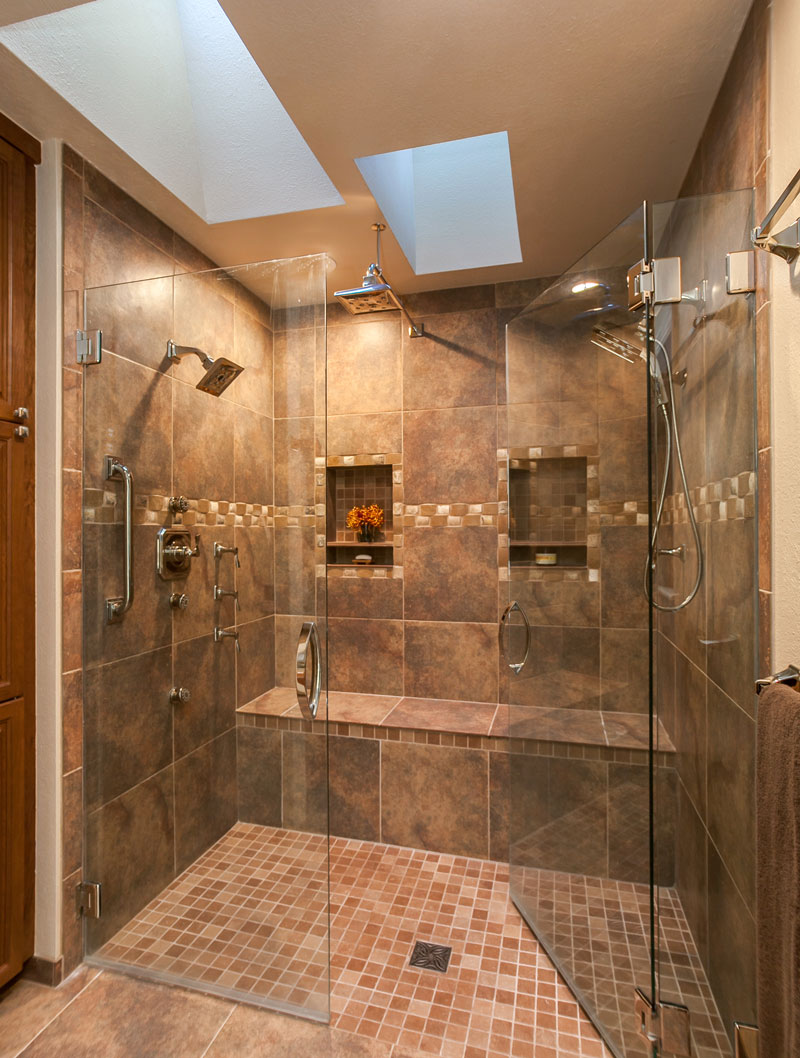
x,y
372,297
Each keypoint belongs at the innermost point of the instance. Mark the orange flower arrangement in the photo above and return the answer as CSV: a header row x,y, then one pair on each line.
x,y
365,520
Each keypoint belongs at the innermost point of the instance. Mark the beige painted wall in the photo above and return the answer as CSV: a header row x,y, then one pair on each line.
x,y
785,338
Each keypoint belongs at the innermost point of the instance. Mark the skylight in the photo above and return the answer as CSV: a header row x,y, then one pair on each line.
x,y
450,205
173,85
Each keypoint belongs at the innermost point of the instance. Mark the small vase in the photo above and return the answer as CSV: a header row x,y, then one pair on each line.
x,y
365,534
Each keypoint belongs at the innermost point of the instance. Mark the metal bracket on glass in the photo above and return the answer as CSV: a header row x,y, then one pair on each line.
x,y
786,243
740,272
89,346
664,1025
656,282
308,670
515,666
87,899
115,608
174,552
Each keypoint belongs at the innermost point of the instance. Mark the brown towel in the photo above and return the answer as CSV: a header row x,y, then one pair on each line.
x,y
778,872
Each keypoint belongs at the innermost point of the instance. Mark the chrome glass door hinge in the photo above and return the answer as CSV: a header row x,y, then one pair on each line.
x,y
664,1025
87,899
89,346
740,272
656,282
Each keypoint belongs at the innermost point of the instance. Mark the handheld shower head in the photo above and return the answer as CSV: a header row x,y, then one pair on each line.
x,y
219,373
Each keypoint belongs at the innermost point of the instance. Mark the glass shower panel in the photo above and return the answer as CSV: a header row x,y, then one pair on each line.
x,y
705,645
579,705
206,822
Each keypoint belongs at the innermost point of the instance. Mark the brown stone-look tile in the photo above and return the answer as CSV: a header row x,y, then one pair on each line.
x,y
72,513
148,624
691,732
624,661
252,453
72,621
628,823
255,578
528,779
203,320
202,441
450,455
130,846
114,253
72,821
450,574
136,320
622,470
765,631
731,789
352,434
287,631
72,720
731,947
688,627
454,661
208,673
435,714
557,725
731,593
366,656
295,569
258,775
365,597
71,159
355,787
294,356
127,724
305,782
765,519
568,603
294,462
252,1033
106,1019
112,198
435,798
623,555
692,870
346,707
517,293
27,1007
73,224
454,364
252,349
72,947
255,662
453,300
72,421
499,806
129,415
364,368
188,258
577,804
664,684
763,378
205,797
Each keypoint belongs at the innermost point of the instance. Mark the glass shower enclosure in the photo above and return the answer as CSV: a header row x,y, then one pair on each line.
x,y
631,627
206,827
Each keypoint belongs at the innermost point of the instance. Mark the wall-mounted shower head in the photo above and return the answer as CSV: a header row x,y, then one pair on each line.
x,y
219,373
375,293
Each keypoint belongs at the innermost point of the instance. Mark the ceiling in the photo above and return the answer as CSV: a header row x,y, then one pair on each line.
x,y
603,105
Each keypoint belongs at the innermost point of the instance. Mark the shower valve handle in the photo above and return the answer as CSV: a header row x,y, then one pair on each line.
x,y
221,549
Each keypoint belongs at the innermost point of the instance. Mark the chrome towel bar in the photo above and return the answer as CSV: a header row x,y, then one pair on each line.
x,y
790,676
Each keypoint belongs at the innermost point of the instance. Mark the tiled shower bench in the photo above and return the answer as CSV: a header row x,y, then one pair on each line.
x,y
435,774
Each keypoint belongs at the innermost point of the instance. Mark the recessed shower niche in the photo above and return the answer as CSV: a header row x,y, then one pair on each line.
x,y
548,509
359,485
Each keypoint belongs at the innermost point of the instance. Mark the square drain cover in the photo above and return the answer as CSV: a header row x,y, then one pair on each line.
x,y
431,956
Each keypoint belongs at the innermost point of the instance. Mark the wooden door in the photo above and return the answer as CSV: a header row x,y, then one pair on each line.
x,y
18,156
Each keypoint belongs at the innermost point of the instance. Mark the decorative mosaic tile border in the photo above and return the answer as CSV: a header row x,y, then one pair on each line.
x,y
105,507
727,500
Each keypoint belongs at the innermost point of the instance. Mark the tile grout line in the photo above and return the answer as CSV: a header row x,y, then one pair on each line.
x,y
231,1012
55,1017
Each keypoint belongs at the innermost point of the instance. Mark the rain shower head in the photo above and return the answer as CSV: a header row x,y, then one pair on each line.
x,y
375,293
219,373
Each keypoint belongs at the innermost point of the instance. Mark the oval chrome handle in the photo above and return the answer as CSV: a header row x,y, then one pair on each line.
x,y
515,666
308,689
115,608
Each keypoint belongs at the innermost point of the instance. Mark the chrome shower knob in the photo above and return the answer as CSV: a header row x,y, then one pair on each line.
x,y
178,504
178,600
179,695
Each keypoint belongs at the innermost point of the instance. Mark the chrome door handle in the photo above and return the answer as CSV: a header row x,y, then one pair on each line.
x,y
115,608
515,666
308,689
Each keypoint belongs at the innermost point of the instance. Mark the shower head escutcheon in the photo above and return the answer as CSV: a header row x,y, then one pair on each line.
x,y
219,373
375,293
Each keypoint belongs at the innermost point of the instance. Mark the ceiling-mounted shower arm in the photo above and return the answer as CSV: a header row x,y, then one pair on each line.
x,y
786,243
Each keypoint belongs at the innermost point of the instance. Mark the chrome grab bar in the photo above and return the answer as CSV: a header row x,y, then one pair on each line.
x,y
308,643
515,666
115,608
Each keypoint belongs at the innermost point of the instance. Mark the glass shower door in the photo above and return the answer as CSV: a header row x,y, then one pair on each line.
x,y
205,690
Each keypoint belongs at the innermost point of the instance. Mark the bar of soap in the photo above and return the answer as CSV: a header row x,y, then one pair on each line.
x,y
545,558
362,560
